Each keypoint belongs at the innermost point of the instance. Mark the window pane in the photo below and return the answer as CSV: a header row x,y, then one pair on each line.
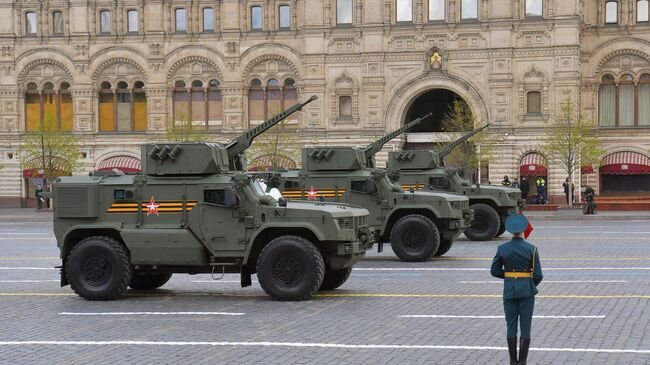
x,y
181,107
534,102
611,9
290,98
31,23
344,11
642,11
105,22
256,17
208,19
436,9
285,16
469,9
607,105
404,10
32,112
66,111
345,106
180,20
198,108
644,104
215,108
139,111
533,7
626,106
106,110
57,22
133,20
256,106
123,112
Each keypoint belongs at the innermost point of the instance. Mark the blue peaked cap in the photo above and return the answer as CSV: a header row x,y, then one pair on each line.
x,y
516,223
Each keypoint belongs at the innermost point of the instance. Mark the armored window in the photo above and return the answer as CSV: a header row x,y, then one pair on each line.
x,y
626,101
57,23
345,106
436,10
611,12
31,23
215,196
285,16
607,102
343,11
642,11
358,185
533,8
439,182
534,102
208,19
132,17
256,18
181,25
469,9
404,11
105,22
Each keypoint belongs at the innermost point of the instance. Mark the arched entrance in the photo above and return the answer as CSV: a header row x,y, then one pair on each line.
x,y
436,101
533,172
625,172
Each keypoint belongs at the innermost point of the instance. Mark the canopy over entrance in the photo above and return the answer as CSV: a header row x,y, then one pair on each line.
x,y
123,163
533,164
625,163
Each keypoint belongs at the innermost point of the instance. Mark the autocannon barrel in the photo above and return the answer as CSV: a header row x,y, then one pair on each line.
x,y
446,149
376,146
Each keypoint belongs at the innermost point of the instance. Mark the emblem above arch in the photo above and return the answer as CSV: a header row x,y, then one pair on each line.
x,y
435,60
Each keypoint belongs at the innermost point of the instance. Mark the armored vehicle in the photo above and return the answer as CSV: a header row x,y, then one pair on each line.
x,y
418,224
425,170
192,210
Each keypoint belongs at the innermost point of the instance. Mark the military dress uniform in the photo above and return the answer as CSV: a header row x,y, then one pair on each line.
x,y
518,263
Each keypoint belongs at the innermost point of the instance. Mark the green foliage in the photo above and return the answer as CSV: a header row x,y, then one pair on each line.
x,y
276,148
460,118
183,130
55,152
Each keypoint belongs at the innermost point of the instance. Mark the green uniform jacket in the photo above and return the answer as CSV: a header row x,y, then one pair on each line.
x,y
517,255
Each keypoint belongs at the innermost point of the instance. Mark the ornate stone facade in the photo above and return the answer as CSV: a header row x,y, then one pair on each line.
x,y
366,72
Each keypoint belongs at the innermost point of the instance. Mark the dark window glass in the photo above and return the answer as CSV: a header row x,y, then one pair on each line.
x,y
439,182
57,23
215,196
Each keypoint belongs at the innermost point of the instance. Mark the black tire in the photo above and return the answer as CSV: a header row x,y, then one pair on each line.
x,y
502,227
99,268
445,246
485,224
149,281
414,237
335,278
290,268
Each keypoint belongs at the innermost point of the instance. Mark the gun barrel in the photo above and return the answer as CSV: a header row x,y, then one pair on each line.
x,y
444,151
376,146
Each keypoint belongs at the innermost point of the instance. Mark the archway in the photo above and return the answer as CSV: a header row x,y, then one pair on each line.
x,y
436,101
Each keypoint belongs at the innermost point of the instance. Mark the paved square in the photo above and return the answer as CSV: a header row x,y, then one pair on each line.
x,y
593,308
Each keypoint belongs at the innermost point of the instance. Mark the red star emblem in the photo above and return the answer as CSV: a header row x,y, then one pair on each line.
x,y
152,208
311,194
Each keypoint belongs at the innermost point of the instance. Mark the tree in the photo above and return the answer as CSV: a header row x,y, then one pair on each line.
x,y
569,141
276,148
466,156
50,150
183,130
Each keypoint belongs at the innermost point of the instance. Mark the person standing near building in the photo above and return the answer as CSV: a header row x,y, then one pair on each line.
x,y
541,185
39,198
525,188
506,181
515,184
517,263
566,185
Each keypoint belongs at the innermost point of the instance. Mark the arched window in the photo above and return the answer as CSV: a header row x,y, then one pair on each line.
x,y
273,98
284,14
343,11
65,117
181,17
32,108
469,9
198,105
534,102
181,103
139,107
208,19
533,8
611,12
105,22
215,105
57,23
436,10
50,109
644,100
642,11
201,106
404,11
290,97
626,101
133,21
265,102
345,107
122,109
256,18
256,103
607,102
106,107
31,23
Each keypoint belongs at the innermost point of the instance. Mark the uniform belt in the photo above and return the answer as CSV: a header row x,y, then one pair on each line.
x,y
518,274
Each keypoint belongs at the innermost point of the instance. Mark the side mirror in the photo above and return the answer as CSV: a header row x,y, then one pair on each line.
x,y
282,202
231,197
370,186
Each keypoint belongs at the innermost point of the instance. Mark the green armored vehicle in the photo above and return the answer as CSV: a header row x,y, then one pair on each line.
x,y
424,170
418,224
192,210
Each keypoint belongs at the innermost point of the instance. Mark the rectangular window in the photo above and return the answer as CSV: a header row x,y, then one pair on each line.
x,y
469,9
533,8
644,104
198,108
181,107
66,111
626,105
611,12
215,109
345,106
57,23
208,20
124,112
181,25
133,21
215,196
106,121
642,11
256,18
139,111
404,11
285,17
534,102
607,106
32,112
343,11
436,10
31,23
439,182
256,106
358,185
105,22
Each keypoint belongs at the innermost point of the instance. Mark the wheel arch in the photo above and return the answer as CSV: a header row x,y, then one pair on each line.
x,y
399,213
76,234
484,200
268,234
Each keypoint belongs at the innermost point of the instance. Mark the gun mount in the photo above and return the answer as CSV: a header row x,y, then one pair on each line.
x,y
371,150
446,149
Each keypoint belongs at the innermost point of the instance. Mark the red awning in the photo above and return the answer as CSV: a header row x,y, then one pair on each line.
x,y
588,169
533,164
34,173
123,163
625,163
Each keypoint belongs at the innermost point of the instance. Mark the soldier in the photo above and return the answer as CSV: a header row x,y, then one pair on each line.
x,y
517,262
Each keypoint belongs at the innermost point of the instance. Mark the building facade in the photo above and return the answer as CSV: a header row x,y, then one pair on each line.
x,y
117,72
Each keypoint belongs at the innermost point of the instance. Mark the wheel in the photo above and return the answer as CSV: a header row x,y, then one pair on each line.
x,y
335,278
414,237
485,224
99,268
290,268
148,281
445,246
502,227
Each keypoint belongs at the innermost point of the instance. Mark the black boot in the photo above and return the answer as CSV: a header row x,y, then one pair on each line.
x,y
512,349
523,350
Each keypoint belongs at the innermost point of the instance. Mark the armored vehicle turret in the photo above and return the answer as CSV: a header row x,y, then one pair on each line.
x,y
425,170
418,224
193,210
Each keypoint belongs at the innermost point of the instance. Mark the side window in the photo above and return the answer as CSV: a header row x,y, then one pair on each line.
x,y
215,196
291,184
439,182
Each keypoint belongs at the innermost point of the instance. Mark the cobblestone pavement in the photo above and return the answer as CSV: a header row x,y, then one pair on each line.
x,y
593,308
